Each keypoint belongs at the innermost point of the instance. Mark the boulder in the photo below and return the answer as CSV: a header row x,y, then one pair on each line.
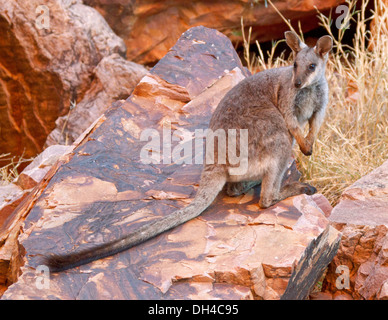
x,y
48,56
120,176
360,268
151,28
114,78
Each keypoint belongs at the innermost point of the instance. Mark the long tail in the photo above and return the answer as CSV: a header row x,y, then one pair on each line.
x,y
210,186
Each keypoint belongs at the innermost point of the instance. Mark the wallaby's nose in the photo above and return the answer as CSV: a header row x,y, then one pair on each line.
x,y
298,83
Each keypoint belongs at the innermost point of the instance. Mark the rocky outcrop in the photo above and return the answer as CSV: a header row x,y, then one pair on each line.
x,y
151,28
360,268
48,58
102,189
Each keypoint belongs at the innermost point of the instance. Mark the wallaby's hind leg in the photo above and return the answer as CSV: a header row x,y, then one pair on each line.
x,y
270,193
271,190
270,187
234,189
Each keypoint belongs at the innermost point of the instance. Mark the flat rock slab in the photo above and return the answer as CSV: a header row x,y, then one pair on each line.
x,y
366,201
104,190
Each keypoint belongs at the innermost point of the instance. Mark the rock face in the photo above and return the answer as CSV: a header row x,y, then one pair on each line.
x,y
114,79
48,56
360,268
151,28
103,190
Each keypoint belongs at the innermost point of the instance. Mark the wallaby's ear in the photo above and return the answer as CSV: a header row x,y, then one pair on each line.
x,y
293,41
324,45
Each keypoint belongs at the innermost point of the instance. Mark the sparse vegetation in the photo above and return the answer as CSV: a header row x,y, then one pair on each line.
x,y
9,172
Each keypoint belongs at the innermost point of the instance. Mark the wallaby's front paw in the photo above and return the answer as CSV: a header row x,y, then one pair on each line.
x,y
308,150
308,146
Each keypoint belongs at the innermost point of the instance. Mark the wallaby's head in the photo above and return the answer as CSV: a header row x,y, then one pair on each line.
x,y
309,63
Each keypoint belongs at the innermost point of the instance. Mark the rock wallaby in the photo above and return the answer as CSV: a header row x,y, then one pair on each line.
x,y
274,105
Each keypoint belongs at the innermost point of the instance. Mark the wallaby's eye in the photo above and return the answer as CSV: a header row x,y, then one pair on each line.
x,y
295,65
312,67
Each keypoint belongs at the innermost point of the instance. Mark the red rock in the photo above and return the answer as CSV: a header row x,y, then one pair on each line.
x,y
323,204
10,197
39,167
362,217
383,294
148,37
342,296
44,70
114,78
321,296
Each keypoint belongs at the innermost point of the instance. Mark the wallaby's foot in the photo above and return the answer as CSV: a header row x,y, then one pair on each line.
x,y
235,189
289,190
295,188
307,189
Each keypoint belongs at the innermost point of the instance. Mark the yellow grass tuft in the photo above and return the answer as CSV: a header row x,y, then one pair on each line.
x,y
9,172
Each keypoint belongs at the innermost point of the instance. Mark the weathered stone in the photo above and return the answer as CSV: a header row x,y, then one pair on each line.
x,y
39,167
312,264
342,296
48,51
148,37
321,296
103,190
10,197
362,217
383,294
114,78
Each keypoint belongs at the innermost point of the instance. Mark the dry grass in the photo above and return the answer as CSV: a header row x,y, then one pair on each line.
x,y
354,138
9,172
